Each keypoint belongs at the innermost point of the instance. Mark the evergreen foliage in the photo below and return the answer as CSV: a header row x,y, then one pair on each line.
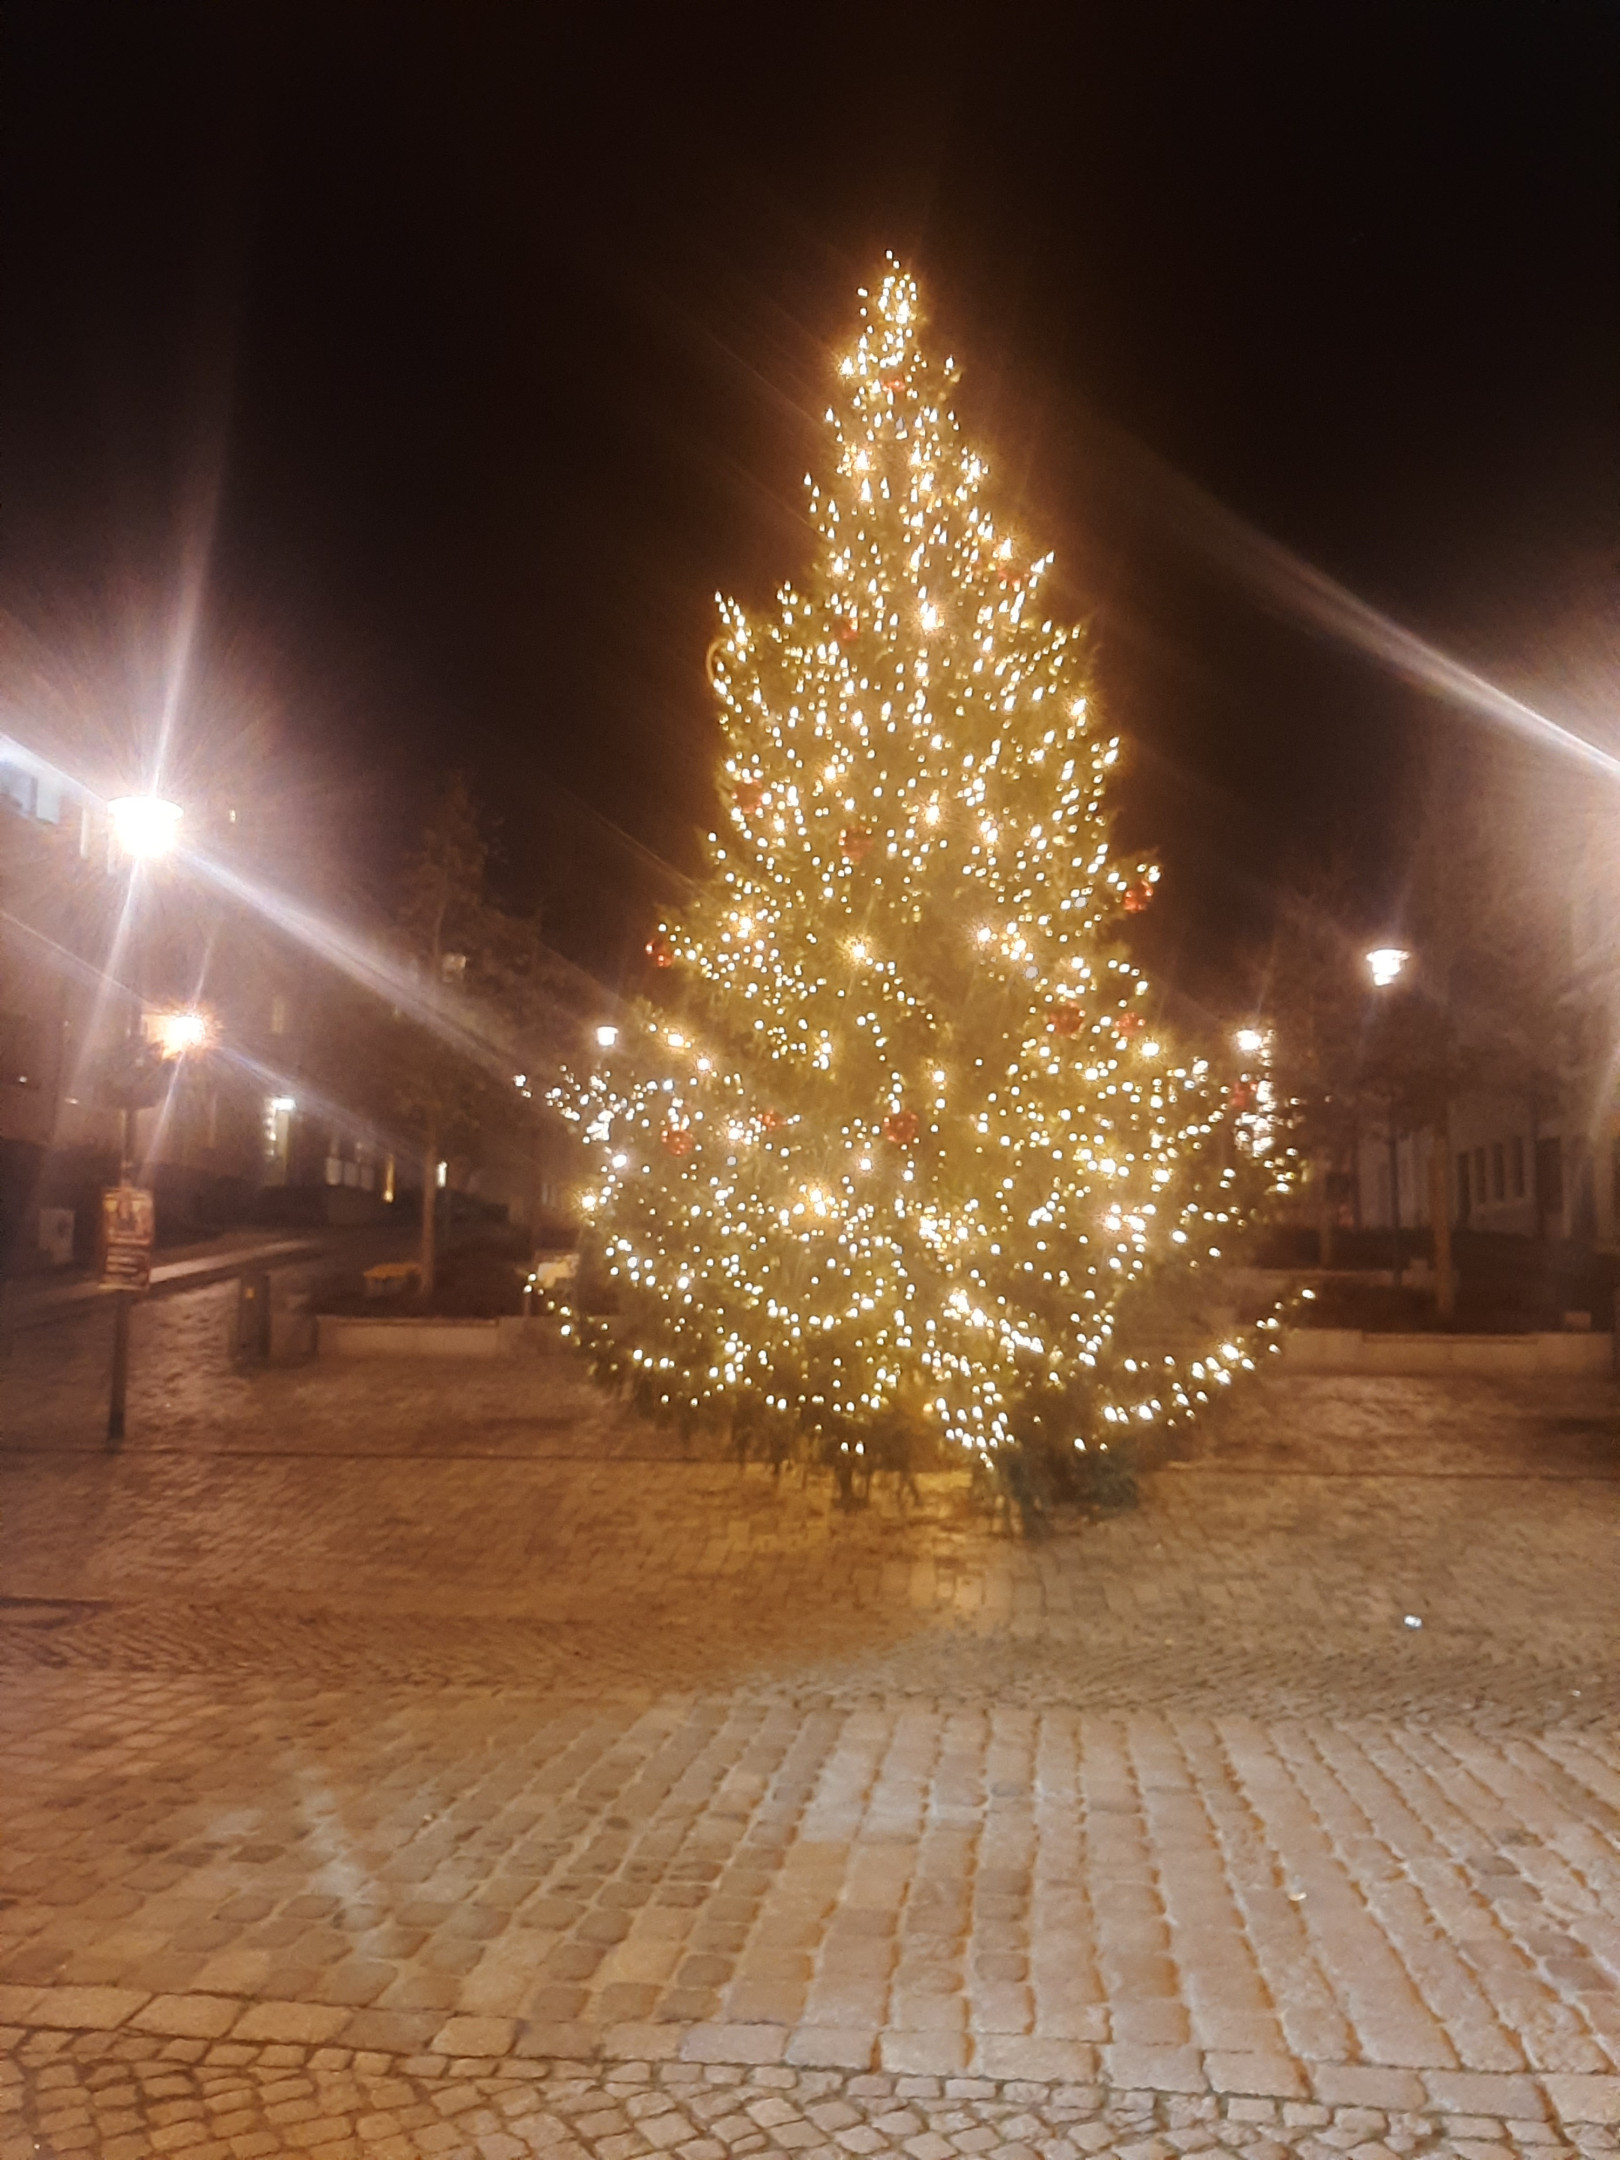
x,y
901,1157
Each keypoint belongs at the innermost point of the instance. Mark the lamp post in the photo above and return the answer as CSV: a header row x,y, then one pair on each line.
x,y
146,828
1386,964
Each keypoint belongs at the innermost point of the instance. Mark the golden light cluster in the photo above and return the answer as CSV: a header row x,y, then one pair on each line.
x,y
902,1142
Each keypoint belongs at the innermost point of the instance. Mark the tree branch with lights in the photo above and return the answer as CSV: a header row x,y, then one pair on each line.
x,y
902,1161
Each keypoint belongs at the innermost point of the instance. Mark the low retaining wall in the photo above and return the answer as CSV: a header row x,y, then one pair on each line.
x,y
1346,1350
1336,1350
362,1336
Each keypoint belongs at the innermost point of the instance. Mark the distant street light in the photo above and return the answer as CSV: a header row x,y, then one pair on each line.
x,y
1250,1041
607,1036
145,826
1384,964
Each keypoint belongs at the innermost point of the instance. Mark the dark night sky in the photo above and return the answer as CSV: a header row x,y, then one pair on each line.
x,y
497,345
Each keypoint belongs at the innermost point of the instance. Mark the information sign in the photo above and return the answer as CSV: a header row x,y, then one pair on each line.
x,y
128,1221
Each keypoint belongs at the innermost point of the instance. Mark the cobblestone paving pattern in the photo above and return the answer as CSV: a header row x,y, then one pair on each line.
x,y
444,1728
128,2096
184,1392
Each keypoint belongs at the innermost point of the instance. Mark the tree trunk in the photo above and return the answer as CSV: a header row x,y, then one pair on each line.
x,y
1445,1274
428,1255
1355,1175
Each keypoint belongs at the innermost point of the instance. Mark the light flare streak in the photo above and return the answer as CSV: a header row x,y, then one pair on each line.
x,y
1292,587
361,959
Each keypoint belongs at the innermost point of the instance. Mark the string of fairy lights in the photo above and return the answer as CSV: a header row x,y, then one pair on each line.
x,y
904,1140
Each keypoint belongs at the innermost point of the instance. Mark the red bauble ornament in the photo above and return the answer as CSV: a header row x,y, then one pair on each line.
x,y
1137,896
660,952
847,633
749,796
1129,1023
854,841
1240,1096
678,1140
1065,1019
901,1127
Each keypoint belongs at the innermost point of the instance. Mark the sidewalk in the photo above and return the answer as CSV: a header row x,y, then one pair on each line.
x,y
410,1779
30,1301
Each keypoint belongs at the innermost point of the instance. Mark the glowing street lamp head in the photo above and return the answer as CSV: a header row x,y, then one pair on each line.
x,y
1385,963
177,1032
607,1036
145,826
1250,1041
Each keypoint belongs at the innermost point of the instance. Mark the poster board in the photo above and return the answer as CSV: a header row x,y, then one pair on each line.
x,y
128,1221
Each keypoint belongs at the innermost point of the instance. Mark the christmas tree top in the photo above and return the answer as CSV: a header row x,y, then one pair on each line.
x,y
903,1148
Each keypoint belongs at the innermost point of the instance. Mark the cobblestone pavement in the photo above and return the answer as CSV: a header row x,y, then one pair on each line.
x,y
404,1756
125,2096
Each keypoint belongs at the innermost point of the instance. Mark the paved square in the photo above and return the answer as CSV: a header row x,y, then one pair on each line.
x,y
357,1728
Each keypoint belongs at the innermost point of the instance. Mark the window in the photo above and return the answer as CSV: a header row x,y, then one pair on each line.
x,y
34,794
1516,1164
1550,1175
20,1059
279,1112
1498,1171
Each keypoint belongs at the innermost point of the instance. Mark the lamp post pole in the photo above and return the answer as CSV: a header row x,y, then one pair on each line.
x,y
146,828
1385,964
122,1299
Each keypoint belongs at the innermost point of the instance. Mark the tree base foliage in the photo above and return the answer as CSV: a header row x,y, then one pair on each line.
x,y
1029,1486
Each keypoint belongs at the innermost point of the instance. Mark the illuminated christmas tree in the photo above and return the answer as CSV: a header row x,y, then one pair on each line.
x,y
901,1147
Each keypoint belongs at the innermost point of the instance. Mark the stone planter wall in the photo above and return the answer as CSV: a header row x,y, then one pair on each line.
x,y
362,1336
1345,1350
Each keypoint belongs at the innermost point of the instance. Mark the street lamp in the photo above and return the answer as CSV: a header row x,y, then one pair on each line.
x,y
145,826
607,1036
177,1032
1386,964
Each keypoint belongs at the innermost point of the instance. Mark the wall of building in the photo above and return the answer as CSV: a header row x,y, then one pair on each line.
x,y
216,1150
1504,1175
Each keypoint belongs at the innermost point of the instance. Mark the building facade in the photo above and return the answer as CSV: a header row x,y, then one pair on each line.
x,y
1533,1145
104,963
